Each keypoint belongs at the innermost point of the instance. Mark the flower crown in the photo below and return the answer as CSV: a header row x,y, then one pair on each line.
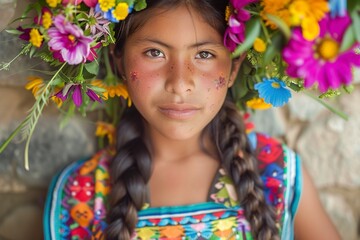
x,y
292,44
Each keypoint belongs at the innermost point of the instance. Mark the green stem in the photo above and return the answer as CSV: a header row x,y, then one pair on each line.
x,y
79,78
328,106
42,102
109,73
10,138
7,65
265,31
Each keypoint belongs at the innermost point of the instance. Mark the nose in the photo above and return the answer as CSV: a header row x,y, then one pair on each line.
x,y
180,78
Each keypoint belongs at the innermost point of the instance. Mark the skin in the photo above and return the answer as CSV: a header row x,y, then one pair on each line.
x,y
178,82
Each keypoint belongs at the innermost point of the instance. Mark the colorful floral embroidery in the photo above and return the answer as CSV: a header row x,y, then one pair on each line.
x,y
83,205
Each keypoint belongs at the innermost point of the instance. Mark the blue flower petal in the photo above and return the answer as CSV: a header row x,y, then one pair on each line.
x,y
338,8
273,91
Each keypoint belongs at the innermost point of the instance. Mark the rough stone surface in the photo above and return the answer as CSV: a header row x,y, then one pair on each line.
x,y
341,215
304,108
329,146
270,121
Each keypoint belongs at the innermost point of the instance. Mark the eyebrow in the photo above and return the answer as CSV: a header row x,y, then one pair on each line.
x,y
195,45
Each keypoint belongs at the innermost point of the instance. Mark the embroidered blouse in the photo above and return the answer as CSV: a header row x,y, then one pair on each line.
x,y
77,201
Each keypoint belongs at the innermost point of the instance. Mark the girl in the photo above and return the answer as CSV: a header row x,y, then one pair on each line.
x,y
184,167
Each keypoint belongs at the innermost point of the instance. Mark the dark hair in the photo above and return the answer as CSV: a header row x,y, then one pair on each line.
x,y
131,167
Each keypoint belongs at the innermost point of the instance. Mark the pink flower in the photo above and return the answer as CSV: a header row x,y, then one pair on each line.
x,y
320,60
89,3
69,40
93,55
235,33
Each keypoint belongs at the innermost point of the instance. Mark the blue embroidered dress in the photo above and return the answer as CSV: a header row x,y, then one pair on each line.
x,y
77,200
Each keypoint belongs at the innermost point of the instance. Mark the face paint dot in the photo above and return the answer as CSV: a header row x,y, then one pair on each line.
x,y
133,76
220,83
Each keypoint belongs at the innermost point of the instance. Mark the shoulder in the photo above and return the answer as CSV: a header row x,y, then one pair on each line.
x,y
75,203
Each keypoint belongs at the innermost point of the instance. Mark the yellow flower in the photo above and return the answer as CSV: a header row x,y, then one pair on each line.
x,y
276,8
227,13
35,37
259,45
105,129
57,101
258,104
307,14
46,20
118,90
106,5
310,28
299,10
35,84
294,12
53,3
121,11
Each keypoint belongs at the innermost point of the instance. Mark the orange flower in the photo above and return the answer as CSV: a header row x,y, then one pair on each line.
x,y
35,84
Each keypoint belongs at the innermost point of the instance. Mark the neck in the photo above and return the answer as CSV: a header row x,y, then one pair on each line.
x,y
165,149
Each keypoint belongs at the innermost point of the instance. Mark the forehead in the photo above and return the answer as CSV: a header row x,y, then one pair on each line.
x,y
179,26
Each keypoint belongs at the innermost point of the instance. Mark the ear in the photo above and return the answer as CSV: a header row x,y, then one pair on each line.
x,y
236,63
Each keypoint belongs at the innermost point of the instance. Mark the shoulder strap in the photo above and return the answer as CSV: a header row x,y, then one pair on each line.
x,y
77,199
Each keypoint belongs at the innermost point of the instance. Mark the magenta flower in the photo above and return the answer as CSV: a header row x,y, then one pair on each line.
x,y
320,60
69,40
76,91
89,3
25,35
235,33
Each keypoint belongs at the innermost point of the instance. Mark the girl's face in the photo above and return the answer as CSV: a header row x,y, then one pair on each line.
x,y
177,72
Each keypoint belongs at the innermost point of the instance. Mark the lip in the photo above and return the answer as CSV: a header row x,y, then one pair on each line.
x,y
179,111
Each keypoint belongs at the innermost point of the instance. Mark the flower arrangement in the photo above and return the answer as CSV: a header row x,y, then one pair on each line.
x,y
289,45
293,45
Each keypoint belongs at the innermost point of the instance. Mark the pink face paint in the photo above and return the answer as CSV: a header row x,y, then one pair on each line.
x,y
220,83
133,76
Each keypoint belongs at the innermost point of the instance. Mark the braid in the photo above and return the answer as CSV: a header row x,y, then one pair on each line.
x,y
130,172
238,161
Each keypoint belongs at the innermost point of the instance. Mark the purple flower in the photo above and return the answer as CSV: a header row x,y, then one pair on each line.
x,y
92,95
234,34
76,91
25,33
320,60
69,40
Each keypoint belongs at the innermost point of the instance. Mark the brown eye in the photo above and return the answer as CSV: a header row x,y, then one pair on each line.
x,y
154,53
204,55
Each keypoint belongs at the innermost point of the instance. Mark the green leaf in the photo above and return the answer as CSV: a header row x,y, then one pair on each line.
x,y
140,5
13,31
284,28
274,48
92,67
348,39
97,89
253,28
356,22
349,89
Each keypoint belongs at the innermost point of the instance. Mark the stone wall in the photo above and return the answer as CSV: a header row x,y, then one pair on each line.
x,y
328,146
